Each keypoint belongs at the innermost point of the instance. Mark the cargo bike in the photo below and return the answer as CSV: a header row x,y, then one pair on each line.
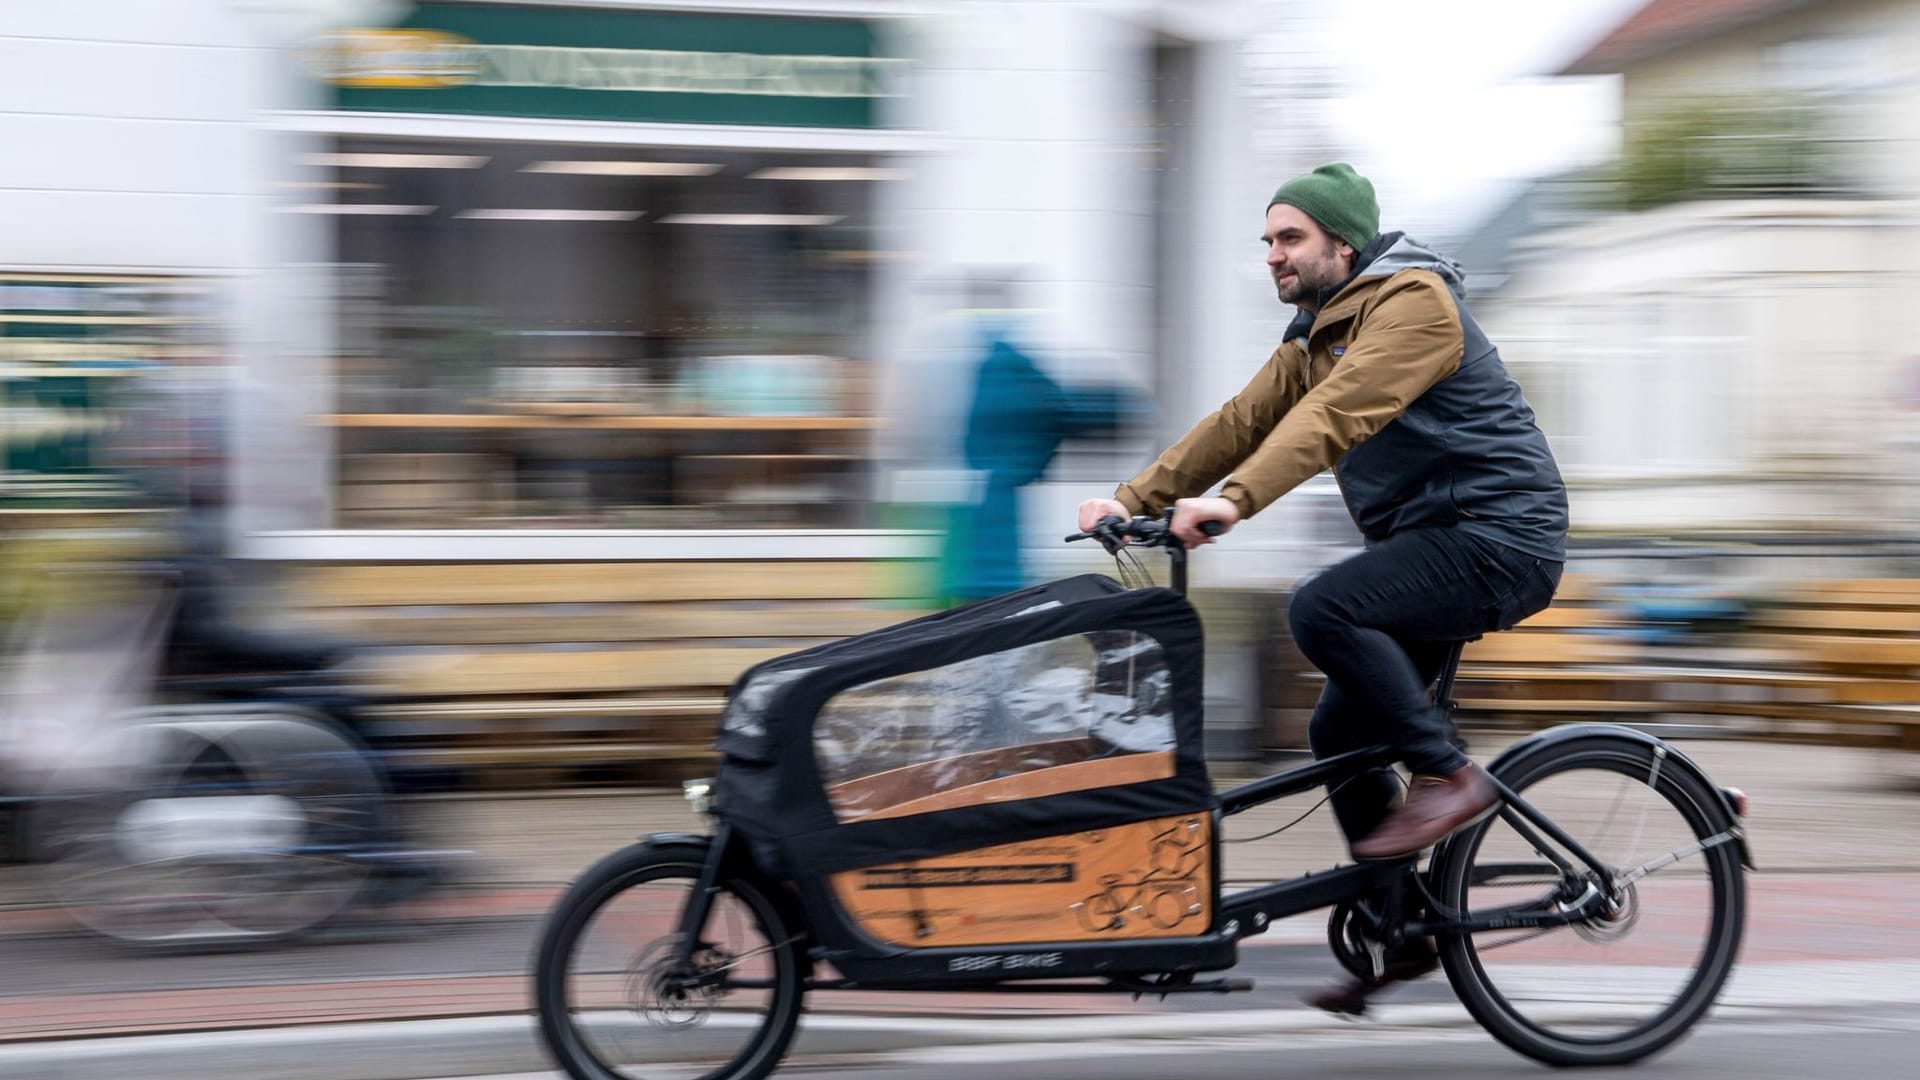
x,y
1011,797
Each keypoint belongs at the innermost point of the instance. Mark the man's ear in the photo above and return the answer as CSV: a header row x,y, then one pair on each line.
x,y
1344,249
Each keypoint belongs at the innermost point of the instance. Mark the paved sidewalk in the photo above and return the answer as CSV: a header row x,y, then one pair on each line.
x,y
1833,831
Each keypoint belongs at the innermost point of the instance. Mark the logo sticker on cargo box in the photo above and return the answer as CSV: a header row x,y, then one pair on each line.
x,y
916,877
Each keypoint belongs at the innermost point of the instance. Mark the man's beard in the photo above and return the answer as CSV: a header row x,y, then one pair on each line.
x,y
1300,288
1308,280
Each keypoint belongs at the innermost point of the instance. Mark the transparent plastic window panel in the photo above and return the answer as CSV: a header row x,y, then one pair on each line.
x,y
1070,714
746,714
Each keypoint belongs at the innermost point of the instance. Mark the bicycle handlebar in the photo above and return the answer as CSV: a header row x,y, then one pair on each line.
x,y
1112,531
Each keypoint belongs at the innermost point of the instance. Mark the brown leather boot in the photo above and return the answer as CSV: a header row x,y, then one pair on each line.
x,y
1436,806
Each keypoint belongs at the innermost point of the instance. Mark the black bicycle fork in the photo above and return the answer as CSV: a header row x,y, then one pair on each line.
x,y
693,917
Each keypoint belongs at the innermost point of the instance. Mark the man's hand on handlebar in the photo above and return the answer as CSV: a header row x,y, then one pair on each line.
x,y
1093,510
1193,522
1189,515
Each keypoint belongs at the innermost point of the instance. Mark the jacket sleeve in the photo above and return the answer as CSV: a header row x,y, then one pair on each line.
x,y
1223,440
1409,340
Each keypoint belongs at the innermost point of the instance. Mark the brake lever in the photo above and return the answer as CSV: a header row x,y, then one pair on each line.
x,y
1107,540
1107,531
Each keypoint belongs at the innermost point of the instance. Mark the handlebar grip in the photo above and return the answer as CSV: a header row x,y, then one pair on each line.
x,y
1211,528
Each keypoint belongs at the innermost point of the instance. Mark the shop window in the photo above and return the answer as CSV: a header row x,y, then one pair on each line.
x,y
533,336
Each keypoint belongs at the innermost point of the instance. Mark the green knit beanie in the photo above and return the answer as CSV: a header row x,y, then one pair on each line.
x,y
1340,199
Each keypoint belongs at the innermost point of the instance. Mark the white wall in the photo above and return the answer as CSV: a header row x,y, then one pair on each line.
x,y
1040,165
127,135
1721,364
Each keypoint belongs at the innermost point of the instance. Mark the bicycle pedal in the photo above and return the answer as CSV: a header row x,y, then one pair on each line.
x,y
1349,1001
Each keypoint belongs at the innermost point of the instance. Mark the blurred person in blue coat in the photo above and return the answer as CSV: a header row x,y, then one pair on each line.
x,y
1018,418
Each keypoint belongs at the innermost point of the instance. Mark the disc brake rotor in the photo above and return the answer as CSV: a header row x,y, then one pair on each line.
x,y
671,996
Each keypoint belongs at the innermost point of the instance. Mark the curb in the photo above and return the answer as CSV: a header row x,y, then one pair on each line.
x,y
491,1046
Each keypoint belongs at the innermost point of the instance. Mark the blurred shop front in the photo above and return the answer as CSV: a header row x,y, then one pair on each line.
x,y
655,275
601,268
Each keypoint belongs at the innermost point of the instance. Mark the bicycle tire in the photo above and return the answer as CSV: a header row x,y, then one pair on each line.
x,y
282,892
621,873
1694,804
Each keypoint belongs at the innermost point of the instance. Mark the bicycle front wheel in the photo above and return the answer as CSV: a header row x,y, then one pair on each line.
x,y
1613,988
614,1002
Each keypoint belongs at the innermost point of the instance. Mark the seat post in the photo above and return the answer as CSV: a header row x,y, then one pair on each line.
x,y
1443,689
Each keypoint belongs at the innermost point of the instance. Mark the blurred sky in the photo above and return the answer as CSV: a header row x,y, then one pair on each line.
x,y
1449,105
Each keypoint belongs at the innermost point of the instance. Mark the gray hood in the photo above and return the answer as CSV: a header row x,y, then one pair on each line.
x,y
1389,254
1405,253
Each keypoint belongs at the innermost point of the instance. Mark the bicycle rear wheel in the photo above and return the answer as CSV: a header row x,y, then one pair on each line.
x,y
613,1004
1614,988
228,826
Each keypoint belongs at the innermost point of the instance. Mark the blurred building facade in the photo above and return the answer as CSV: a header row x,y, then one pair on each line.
x,y
531,280
1725,341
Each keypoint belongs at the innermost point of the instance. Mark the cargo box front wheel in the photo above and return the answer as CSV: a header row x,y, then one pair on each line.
x,y
621,999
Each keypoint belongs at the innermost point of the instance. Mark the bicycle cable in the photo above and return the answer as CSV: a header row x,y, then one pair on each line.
x,y
1140,568
1308,812
1132,572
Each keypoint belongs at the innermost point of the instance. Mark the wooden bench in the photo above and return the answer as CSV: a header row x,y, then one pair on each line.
x,y
1868,627
565,673
1821,662
1554,667
524,675
1860,633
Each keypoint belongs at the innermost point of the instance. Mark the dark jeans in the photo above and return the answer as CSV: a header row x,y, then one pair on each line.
x,y
1380,625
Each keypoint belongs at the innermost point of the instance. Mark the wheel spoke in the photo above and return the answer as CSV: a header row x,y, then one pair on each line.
x,y
1661,862
1648,796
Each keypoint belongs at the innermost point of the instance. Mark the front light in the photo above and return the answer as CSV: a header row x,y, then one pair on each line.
x,y
700,794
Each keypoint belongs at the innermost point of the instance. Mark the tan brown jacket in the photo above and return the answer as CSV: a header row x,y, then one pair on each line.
x,y
1393,387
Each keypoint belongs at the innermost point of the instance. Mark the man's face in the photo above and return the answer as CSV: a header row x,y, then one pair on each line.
x,y
1303,257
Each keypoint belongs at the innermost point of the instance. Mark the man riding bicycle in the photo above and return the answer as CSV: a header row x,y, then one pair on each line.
x,y
1384,377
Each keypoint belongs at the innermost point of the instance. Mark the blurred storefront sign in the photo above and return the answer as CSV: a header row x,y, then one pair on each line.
x,y
625,65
